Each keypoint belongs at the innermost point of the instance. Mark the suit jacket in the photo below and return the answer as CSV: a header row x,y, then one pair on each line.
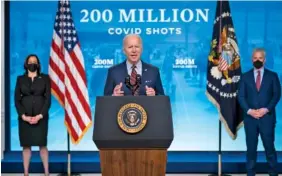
x,y
150,77
33,98
267,97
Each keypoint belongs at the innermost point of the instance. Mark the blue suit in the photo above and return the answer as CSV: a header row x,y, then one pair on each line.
x,y
150,77
267,97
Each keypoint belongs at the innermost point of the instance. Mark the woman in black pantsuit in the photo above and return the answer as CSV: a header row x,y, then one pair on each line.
x,y
32,100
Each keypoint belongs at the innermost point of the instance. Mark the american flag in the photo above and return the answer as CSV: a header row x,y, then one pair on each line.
x,y
67,73
223,65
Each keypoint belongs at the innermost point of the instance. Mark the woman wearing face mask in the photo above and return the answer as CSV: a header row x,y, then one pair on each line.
x,y
32,100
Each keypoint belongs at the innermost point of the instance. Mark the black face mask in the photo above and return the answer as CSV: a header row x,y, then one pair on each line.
x,y
257,64
32,67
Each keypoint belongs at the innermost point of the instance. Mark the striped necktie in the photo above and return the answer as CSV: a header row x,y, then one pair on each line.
x,y
258,82
133,80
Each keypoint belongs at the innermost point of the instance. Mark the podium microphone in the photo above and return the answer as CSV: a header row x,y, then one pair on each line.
x,y
138,80
127,83
137,84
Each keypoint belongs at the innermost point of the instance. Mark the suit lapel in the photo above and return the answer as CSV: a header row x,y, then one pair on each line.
x,y
125,69
143,78
264,79
253,82
144,72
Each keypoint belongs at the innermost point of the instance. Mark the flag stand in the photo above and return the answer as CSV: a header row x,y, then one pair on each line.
x,y
219,172
69,161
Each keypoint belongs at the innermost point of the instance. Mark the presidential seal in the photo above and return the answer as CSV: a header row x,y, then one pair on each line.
x,y
227,61
132,118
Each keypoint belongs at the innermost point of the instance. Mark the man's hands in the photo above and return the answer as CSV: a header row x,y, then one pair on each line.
x,y
150,91
117,90
257,113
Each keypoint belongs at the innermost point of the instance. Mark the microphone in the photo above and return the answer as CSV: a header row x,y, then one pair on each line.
x,y
138,80
127,82
130,86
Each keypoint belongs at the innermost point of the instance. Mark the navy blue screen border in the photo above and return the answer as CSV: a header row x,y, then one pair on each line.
x,y
7,77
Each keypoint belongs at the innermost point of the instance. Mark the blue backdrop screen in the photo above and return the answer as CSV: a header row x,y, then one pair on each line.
x,y
176,38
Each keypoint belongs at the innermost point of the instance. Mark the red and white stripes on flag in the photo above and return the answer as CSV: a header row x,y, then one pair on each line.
x,y
67,73
223,65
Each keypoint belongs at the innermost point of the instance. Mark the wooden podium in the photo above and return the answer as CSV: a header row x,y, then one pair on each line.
x,y
133,162
133,154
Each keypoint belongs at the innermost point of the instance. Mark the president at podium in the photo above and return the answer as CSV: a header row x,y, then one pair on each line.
x,y
133,76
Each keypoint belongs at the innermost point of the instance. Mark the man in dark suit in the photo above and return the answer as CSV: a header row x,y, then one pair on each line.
x,y
122,79
259,92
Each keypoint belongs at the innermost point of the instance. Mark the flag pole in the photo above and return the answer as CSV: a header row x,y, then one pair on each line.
x,y
69,156
219,172
219,150
69,160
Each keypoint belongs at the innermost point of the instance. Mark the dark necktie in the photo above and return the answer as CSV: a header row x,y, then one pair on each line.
x,y
133,80
258,80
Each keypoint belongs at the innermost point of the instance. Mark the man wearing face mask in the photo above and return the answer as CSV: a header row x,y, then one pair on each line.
x,y
259,93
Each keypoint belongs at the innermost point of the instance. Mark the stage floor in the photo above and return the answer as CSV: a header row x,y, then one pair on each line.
x,y
166,174
177,163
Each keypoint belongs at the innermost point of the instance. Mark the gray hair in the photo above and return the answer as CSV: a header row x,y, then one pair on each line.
x,y
131,35
261,50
